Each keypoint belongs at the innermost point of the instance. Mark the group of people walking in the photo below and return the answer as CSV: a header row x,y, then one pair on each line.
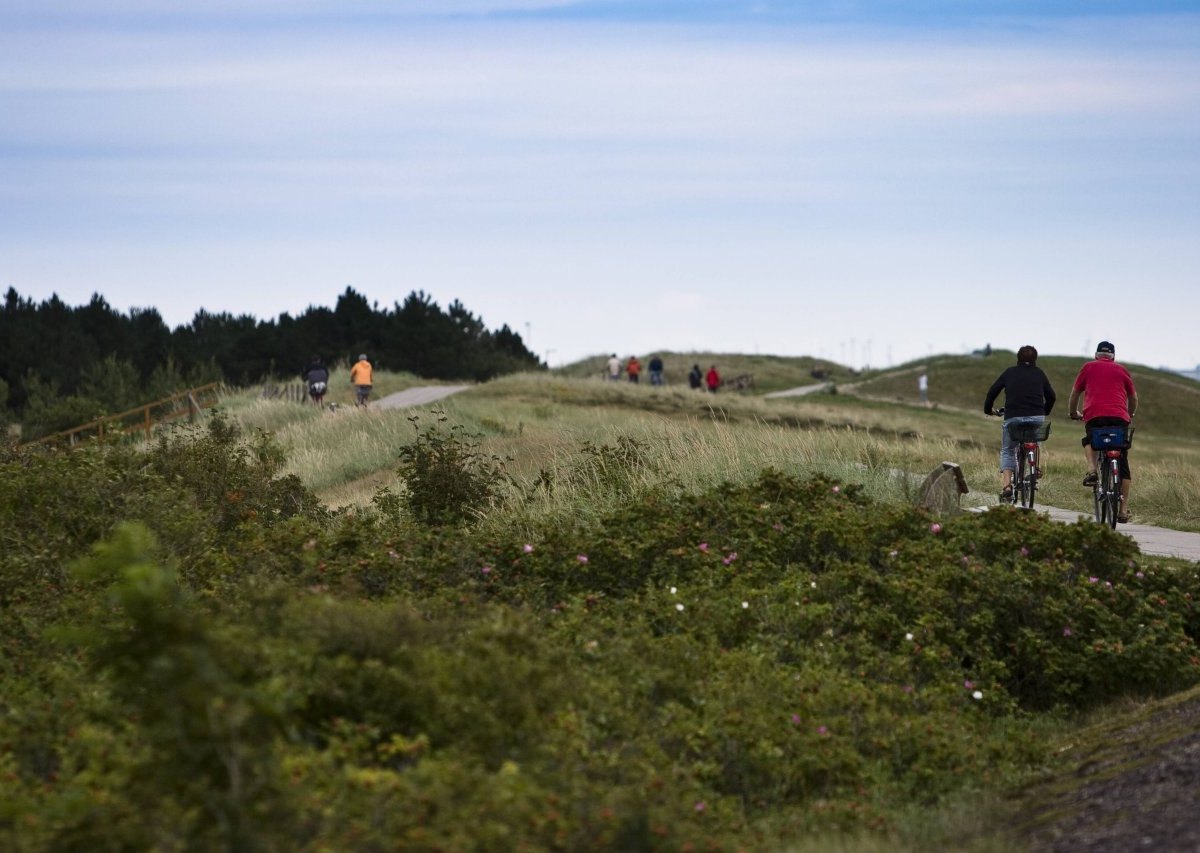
x,y
1109,399
316,375
632,369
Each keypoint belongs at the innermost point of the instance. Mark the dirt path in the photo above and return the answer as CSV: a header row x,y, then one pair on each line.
x,y
418,396
1131,787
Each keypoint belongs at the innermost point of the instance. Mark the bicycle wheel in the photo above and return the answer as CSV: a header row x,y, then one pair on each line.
x,y
1019,484
1099,502
1114,496
1031,481
1107,514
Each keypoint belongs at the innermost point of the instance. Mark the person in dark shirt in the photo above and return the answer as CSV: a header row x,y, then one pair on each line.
x,y
317,377
1028,399
656,370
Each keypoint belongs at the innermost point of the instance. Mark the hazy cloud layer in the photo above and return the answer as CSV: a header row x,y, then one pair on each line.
x,y
840,174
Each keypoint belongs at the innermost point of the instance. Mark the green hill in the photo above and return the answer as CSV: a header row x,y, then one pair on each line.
x,y
1169,404
770,372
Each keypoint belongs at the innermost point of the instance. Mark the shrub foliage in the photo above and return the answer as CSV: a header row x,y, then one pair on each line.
x,y
197,655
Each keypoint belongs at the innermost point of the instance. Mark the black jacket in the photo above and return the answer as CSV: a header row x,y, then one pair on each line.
x,y
1026,390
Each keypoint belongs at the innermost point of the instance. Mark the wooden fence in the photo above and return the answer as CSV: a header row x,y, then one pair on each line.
x,y
139,422
297,392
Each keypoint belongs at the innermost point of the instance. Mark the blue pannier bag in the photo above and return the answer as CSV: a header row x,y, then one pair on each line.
x,y
1108,438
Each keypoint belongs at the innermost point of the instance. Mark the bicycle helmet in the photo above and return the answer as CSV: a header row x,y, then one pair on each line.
x,y
362,356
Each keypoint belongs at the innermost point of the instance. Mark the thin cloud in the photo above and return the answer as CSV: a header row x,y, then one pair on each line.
x,y
506,162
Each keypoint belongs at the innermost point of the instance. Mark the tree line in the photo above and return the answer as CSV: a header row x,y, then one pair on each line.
x,y
62,365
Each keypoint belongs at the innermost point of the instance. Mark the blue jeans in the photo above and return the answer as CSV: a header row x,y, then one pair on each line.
x,y
1008,448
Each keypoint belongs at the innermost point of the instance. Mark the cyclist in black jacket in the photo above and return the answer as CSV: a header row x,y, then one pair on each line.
x,y
1028,398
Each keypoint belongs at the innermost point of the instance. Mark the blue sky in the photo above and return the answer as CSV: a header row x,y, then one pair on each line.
x,y
868,182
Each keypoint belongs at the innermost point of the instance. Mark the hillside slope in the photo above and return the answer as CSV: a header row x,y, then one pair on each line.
x,y
1169,404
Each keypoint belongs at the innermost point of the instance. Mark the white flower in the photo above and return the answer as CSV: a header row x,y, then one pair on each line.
x,y
978,694
673,590
813,584
745,605
908,636
679,607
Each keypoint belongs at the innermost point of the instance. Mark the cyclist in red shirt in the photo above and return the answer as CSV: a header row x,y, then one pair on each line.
x,y
1109,400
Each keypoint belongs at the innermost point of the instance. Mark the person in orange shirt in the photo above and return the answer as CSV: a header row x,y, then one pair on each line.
x,y
360,378
633,368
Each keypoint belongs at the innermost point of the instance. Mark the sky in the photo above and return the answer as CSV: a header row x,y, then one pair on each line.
x,y
866,182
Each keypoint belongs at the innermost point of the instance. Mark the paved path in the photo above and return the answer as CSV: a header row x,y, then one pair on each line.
x,y
1160,541
417,396
801,391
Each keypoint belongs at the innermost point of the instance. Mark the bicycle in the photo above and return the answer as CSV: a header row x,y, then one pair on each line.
x,y
1028,437
1108,443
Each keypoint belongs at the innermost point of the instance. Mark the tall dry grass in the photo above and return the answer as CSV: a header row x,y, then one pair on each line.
x,y
689,440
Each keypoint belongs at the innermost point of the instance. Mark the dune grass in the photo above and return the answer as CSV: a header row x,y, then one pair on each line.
x,y
542,422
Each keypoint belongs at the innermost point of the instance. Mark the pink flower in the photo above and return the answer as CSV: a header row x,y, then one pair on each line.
x,y
582,558
1093,579
527,548
1140,575
1024,551
732,556
704,546
700,806
487,570
1067,631
777,526
968,684
837,489
821,730
795,719
935,528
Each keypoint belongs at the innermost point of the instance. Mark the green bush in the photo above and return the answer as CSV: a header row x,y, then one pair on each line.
x,y
447,478
732,669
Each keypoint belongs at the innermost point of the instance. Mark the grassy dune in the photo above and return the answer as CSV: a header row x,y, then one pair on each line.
x,y
866,433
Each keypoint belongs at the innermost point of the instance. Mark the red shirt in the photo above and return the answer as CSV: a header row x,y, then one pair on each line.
x,y
1107,387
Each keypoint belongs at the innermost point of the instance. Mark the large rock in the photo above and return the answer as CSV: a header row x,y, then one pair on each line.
x,y
943,489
